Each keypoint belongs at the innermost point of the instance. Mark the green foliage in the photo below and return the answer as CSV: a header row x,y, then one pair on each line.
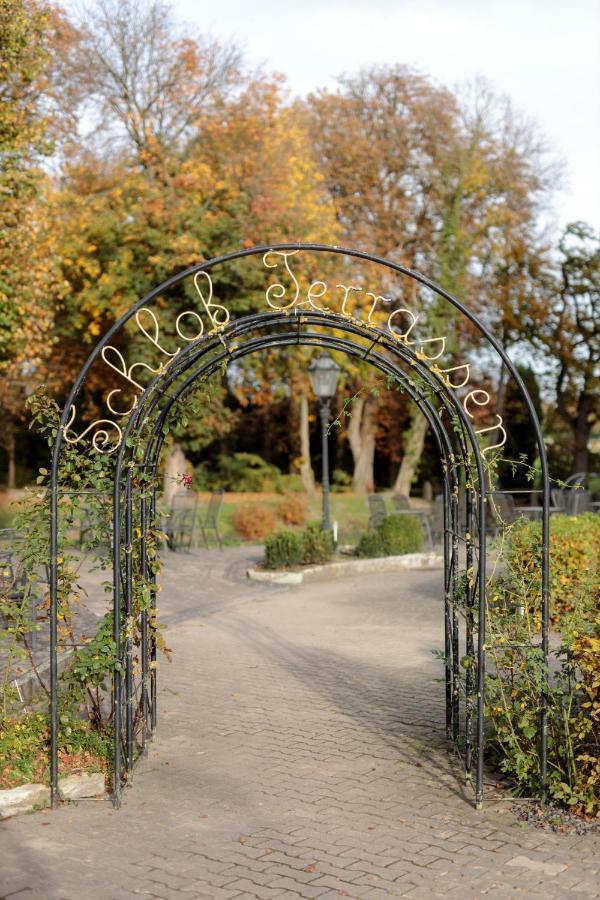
x,y
370,545
401,534
290,548
574,560
289,483
24,747
340,481
516,677
247,472
317,546
284,549
85,482
397,535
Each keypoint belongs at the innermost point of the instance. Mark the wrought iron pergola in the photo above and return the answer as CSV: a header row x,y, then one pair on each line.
x,y
293,317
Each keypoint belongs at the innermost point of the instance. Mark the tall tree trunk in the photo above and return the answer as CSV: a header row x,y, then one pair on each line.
x,y
306,470
413,450
581,432
11,452
361,437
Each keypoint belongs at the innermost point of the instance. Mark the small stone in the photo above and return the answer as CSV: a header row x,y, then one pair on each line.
x,y
23,799
536,865
78,787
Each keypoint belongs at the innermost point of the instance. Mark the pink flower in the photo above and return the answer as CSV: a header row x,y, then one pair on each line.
x,y
185,480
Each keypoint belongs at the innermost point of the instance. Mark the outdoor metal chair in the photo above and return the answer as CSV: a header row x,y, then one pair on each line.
x,y
377,510
437,518
580,502
401,506
211,519
181,523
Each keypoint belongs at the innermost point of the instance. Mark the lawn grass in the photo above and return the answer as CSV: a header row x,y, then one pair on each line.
x,y
349,510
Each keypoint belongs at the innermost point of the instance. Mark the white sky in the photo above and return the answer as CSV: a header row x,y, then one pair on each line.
x,y
545,54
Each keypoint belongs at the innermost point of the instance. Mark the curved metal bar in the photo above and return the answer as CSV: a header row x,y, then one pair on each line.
x,y
319,248
450,515
333,343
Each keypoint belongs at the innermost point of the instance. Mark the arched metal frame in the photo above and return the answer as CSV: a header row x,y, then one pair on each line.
x,y
135,710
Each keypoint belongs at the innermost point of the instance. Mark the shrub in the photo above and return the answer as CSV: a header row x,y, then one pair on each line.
x,y
317,545
574,561
396,535
370,545
292,510
254,521
201,480
24,748
289,548
401,534
248,472
284,549
340,481
291,482
516,673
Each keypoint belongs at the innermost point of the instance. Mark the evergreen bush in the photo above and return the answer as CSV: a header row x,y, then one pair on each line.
x,y
398,534
284,549
291,548
317,546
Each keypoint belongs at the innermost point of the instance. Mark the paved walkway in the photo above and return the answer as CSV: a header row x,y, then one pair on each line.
x,y
299,754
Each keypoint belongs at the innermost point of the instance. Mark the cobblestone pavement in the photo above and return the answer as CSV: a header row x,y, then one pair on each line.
x,y
300,753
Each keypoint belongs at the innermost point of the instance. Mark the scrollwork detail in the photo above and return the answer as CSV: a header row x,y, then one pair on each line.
x,y
101,439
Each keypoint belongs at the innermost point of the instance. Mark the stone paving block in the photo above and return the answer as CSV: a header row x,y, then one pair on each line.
x,y
292,735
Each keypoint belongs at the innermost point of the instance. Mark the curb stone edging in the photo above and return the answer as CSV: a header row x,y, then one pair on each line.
x,y
27,797
349,567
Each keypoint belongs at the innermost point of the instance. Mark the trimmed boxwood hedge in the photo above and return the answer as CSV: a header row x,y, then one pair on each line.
x,y
292,548
398,534
574,560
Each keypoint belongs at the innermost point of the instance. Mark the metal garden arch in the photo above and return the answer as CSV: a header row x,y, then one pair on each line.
x,y
289,314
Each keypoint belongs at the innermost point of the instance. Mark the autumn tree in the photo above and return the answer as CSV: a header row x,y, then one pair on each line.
x,y
444,184
146,80
240,172
30,285
570,337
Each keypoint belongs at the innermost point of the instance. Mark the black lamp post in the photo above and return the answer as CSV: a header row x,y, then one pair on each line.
x,y
324,372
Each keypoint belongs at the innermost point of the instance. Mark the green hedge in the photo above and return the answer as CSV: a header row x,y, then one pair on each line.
x,y
290,548
574,561
283,549
516,675
398,534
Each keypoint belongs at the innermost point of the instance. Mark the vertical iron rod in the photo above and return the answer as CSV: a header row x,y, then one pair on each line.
x,y
455,644
128,624
117,638
481,633
469,646
324,410
54,625
153,672
144,616
447,608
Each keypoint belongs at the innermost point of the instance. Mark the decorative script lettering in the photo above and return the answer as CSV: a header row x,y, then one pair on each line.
x,y
402,324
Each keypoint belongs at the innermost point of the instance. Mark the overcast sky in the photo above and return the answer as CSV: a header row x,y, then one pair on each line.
x,y
544,53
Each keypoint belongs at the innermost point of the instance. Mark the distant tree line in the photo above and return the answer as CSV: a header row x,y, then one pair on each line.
x,y
132,146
